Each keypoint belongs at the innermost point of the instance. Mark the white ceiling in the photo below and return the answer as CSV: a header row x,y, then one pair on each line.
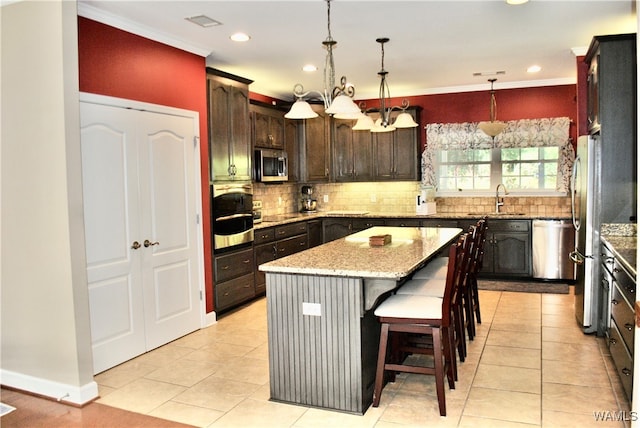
x,y
435,46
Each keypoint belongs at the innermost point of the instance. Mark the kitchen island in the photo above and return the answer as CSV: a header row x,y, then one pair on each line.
x,y
323,335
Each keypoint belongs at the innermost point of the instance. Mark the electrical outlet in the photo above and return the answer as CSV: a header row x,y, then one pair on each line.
x,y
279,200
373,197
313,309
325,198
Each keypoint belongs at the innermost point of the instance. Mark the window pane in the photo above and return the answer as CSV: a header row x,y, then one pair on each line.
x,y
529,153
550,152
510,154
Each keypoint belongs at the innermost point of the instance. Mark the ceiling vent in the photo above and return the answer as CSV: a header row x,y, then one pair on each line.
x,y
204,21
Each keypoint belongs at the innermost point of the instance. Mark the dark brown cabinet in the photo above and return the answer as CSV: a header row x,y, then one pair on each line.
x,y
315,155
507,249
352,154
336,228
229,126
292,146
396,154
275,242
233,278
268,127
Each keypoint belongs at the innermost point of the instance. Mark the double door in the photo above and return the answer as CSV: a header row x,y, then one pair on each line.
x,y
141,229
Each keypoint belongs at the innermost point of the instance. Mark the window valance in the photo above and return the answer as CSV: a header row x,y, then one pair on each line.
x,y
546,132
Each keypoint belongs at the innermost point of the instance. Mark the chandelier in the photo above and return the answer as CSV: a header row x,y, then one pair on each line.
x,y
337,100
493,127
383,123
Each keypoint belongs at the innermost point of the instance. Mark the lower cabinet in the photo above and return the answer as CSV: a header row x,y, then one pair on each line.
x,y
622,323
336,228
234,278
508,249
274,242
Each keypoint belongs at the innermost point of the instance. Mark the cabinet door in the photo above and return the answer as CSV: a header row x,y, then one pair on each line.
x,y
219,129
268,128
343,151
336,229
292,146
512,254
405,154
241,134
383,159
263,253
314,231
316,157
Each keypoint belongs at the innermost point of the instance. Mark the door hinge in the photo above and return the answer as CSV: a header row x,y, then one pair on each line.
x,y
200,295
195,141
197,218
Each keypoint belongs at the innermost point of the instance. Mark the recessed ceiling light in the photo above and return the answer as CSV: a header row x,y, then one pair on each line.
x,y
309,68
239,37
204,21
534,69
516,2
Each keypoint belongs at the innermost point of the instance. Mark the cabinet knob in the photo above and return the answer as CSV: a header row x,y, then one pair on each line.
x,y
625,371
614,302
628,326
612,341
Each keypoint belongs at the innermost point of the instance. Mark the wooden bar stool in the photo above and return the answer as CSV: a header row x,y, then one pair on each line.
x,y
407,314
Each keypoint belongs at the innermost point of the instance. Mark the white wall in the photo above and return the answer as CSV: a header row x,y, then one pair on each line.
x,y
45,326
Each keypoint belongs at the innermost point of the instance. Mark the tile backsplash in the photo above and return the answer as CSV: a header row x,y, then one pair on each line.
x,y
397,198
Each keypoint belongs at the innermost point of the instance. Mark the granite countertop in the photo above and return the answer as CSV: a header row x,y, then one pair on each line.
x,y
275,220
354,257
624,248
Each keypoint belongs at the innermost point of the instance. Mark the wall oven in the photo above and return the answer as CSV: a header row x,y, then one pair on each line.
x,y
232,215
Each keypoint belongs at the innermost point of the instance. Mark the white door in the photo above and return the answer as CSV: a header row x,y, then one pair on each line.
x,y
139,185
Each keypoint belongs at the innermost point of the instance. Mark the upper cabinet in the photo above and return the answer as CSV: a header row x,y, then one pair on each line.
x,y
229,126
612,115
396,153
352,156
268,127
315,148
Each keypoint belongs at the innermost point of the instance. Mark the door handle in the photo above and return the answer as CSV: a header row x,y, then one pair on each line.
x,y
135,245
148,243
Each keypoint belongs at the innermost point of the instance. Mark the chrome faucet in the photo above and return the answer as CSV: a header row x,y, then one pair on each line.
x,y
499,200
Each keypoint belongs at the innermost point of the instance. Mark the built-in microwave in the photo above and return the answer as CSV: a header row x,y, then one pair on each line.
x,y
271,165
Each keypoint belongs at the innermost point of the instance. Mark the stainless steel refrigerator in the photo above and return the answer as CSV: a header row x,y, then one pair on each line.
x,y
586,216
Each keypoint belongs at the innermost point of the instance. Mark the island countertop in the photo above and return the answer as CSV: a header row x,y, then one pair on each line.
x,y
352,256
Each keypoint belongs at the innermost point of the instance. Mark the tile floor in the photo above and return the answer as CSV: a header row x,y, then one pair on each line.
x,y
529,366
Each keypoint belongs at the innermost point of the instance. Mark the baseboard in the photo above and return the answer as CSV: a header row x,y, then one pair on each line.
x,y
72,394
210,319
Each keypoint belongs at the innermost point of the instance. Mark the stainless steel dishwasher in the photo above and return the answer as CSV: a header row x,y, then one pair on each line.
x,y
552,241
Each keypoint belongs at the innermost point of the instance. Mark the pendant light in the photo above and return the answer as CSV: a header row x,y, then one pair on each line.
x,y
383,124
493,127
337,100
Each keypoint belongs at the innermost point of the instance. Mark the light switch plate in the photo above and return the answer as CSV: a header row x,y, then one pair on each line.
x,y
313,309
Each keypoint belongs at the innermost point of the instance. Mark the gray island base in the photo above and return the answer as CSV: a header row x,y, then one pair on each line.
x,y
323,335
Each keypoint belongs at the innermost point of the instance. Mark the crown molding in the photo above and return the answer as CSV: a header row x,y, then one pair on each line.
x,y
90,12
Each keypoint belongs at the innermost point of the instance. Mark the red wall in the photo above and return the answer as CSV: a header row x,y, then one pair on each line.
x,y
522,103
119,64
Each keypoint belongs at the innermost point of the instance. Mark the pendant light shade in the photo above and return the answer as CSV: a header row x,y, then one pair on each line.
x,y
301,110
493,127
379,127
404,120
364,123
343,107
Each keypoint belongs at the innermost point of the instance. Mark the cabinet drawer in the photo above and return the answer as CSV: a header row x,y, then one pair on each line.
x,y
621,358
365,223
403,222
261,236
233,265
625,281
436,222
623,315
290,246
288,230
509,225
235,291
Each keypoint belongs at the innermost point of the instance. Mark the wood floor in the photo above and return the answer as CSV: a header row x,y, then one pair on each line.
x,y
33,411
